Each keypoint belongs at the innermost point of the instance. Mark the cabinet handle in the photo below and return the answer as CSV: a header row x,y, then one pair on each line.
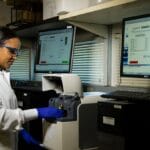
x,y
25,94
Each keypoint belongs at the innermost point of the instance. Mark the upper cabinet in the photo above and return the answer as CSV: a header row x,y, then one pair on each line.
x,y
24,12
109,12
97,18
94,19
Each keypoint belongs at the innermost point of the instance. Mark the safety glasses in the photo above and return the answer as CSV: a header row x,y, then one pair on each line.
x,y
12,50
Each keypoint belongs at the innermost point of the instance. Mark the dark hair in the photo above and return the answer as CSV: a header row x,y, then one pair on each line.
x,y
6,33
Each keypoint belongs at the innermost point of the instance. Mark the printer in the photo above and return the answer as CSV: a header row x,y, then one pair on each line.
x,y
78,129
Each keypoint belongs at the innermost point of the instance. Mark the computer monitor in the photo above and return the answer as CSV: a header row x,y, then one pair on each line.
x,y
55,50
135,58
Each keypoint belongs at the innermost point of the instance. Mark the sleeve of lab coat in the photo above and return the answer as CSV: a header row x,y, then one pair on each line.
x,y
12,119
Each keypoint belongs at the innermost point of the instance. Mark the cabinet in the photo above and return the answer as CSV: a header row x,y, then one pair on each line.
x,y
97,17
25,12
123,125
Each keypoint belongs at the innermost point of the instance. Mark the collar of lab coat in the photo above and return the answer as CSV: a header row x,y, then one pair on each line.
x,y
6,75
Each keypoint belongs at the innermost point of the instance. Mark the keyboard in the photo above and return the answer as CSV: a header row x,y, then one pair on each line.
x,y
128,95
27,85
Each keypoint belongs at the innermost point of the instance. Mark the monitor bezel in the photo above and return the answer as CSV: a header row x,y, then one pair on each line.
x,y
122,47
71,53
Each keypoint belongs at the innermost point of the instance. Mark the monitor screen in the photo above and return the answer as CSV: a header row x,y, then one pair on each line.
x,y
135,58
55,50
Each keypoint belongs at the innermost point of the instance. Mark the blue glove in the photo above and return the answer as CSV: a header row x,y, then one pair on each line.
x,y
50,112
30,140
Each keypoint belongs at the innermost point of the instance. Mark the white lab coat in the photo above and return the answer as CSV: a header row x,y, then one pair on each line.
x,y
11,117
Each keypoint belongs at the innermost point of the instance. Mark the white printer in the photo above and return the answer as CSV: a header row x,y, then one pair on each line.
x,y
78,129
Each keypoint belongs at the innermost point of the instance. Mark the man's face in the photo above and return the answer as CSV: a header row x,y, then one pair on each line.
x,y
7,56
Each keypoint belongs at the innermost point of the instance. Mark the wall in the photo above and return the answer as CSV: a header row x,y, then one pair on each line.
x,y
5,14
117,83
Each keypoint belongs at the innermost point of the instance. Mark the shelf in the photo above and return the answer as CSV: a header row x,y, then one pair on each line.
x,y
109,12
19,24
31,31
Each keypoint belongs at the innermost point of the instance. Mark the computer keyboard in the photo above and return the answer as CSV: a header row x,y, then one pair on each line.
x,y
128,95
26,85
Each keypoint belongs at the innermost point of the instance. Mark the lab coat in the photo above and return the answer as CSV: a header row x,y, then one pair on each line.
x,y
11,117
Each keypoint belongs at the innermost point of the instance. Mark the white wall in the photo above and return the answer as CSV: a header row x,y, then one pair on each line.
x,y
5,14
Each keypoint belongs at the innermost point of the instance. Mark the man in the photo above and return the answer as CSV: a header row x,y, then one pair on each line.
x,y
11,117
